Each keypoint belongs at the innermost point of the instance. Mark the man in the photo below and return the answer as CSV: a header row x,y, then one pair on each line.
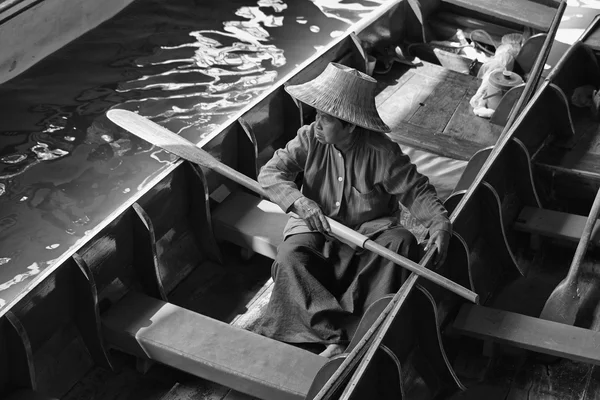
x,y
355,174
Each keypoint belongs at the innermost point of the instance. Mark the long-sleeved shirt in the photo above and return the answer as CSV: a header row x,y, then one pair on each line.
x,y
360,187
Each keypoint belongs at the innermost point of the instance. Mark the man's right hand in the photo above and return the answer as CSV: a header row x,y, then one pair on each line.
x,y
311,213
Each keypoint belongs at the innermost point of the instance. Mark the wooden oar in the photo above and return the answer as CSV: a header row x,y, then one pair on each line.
x,y
564,302
173,143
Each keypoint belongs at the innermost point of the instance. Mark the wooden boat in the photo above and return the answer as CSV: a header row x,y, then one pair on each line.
x,y
163,280
33,29
518,212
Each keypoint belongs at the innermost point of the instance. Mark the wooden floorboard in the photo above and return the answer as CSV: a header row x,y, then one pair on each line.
x,y
427,107
392,81
228,292
580,153
126,383
467,126
255,307
584,165
439,105
533,379
408,134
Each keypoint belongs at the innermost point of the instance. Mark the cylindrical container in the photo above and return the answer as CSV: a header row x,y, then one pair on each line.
x,y
371,64
499,83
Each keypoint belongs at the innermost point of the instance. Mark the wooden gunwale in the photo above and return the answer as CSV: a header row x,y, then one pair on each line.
x,y
356,28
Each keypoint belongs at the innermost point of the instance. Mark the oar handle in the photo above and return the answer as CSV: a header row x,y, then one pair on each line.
x,y
173,143
348,235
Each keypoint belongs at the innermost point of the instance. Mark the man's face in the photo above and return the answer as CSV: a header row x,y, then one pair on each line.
x,y
330,130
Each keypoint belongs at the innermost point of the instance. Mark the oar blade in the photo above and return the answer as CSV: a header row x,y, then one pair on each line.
x,y
565,301
563,304
159,136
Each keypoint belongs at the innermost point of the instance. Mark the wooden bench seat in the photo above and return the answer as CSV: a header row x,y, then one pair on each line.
x,y
527,332
555,224
257,224
244,361
522,12
250,222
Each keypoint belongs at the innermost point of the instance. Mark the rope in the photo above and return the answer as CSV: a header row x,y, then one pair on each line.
x,y
476,44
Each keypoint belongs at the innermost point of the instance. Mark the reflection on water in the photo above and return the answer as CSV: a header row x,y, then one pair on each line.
x,y
187,65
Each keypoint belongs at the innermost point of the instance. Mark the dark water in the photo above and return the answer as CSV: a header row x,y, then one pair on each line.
x,y
187,65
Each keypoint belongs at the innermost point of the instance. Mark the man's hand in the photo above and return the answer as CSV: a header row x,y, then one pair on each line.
x,y
440,241
311,213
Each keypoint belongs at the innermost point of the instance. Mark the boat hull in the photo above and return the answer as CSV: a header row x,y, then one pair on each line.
x,y
32,30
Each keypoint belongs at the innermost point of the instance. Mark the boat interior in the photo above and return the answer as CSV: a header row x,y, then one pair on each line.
x,y
160,304
542,214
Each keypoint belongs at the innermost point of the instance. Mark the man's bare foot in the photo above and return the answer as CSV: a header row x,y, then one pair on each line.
x,y
333,350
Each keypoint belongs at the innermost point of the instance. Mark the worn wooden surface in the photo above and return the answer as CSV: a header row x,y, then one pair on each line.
x,y
517,379
579,154
556,224
570,164
210,349
522,12
506,372
428,107
530,333
250,222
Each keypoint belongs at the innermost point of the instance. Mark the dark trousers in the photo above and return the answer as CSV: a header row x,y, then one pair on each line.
x,y
323,287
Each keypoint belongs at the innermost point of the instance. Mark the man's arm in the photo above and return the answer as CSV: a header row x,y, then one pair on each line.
x,y
277,176
416,193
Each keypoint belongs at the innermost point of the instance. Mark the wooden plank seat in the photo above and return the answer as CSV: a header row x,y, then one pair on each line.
x,y
527,13
555,224
257,224
527,332
242,360
250,222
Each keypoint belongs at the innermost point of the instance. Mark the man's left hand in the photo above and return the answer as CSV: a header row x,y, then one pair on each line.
x,y
439,241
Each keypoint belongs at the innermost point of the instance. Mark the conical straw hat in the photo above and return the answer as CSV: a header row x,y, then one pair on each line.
x,y
345,93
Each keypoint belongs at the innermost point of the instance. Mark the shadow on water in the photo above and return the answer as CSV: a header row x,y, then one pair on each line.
x,y
188,65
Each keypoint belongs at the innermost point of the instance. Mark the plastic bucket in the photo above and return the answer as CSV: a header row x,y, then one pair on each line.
x,y
499,83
